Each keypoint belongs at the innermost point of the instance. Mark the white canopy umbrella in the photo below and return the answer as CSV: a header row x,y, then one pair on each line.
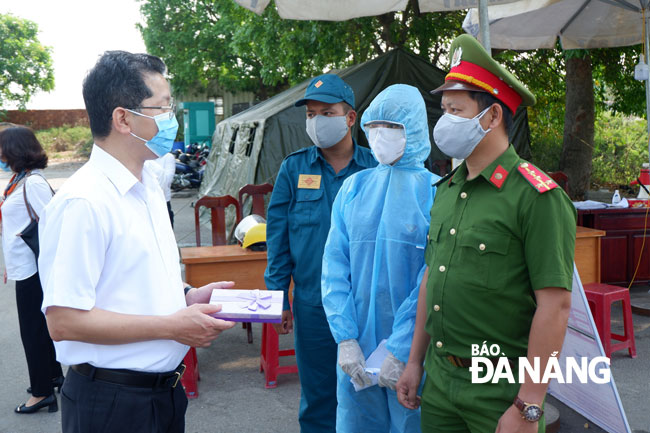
x,y
579,24
341,10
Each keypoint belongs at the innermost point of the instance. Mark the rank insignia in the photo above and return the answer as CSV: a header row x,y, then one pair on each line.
x,y
536,177
499,176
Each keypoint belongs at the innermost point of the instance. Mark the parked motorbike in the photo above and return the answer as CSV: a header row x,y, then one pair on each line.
x,y
190,166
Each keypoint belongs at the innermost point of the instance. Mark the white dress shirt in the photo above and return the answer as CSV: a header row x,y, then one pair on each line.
x,y
164,168
19,258
106,242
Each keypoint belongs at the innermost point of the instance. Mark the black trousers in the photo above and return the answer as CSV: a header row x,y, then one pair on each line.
x,y
39,349
89,406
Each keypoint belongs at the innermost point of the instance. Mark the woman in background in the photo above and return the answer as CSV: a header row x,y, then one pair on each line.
x,y
21,153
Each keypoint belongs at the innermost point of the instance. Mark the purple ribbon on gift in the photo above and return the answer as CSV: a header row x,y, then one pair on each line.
x,y
256,299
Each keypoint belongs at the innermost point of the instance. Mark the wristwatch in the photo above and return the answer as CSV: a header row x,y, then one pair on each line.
x,y
530,412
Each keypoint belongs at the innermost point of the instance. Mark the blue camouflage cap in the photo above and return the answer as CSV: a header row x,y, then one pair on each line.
x,y
328,88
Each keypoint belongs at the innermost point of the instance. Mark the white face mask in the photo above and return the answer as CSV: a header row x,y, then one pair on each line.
x,y
387,144
458,136
326,131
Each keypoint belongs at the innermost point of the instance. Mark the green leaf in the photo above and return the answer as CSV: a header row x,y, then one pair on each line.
x,y
25,64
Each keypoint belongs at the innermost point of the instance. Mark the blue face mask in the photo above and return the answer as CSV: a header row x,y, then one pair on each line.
x,y
4,166
162,142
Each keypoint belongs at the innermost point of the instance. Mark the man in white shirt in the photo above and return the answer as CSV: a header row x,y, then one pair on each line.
x,y
109,265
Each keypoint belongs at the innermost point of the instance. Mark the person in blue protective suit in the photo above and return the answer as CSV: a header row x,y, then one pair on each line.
x,y
374,261
298,220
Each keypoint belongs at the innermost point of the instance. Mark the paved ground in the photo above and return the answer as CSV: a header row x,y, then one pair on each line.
x,y
232,397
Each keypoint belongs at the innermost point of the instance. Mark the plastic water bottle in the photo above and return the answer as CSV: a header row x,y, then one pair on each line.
x,y
616,197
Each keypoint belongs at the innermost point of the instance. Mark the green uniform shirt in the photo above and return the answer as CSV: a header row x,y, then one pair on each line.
x,y
492,241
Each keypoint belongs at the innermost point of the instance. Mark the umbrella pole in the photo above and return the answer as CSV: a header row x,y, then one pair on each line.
x,y
646,23
484,26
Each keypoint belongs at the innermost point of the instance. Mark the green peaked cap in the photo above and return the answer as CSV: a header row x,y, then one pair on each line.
x,y
471,64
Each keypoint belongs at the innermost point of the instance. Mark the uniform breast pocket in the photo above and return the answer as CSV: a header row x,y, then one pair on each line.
x,y
307,207
485,257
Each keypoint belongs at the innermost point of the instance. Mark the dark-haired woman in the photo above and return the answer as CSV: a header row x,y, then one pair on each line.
x,y
21,153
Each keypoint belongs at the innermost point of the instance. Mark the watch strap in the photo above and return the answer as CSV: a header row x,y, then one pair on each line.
x,y
519,404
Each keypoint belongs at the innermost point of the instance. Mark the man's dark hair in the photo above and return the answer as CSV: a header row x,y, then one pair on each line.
x,y
21,149
117,80
484,100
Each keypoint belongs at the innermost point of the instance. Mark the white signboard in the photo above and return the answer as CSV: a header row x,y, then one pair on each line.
x,y
600,403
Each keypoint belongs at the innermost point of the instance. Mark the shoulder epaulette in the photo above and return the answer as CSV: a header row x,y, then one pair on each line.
x,y
304,149
446,177
536,177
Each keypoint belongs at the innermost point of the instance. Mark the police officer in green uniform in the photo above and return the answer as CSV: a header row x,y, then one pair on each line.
x,y
298,221
499,257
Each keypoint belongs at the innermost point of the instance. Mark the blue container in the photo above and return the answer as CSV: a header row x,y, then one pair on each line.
x,y
199,124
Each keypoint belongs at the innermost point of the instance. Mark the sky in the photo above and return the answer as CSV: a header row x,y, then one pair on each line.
x,y
78,31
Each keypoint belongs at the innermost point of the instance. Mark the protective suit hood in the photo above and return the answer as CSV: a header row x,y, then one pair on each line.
x,y
403,104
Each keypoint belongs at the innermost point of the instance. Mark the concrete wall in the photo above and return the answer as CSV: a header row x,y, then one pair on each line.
x,y
44,119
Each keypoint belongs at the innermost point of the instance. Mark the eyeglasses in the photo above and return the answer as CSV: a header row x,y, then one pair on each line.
x,y
171,109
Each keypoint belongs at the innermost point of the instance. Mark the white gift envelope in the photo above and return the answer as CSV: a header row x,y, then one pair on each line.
x,y
373,365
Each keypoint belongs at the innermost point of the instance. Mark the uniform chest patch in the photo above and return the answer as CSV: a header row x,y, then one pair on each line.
x,y
309,181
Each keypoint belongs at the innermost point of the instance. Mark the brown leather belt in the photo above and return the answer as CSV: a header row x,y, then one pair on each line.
x,y
467,362
130,377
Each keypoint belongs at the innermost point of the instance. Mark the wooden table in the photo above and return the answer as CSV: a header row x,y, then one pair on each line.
x,y
627,240
587,254
205,265
246,268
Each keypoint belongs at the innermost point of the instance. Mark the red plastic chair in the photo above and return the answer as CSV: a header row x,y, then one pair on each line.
x,y
601,297
270,352
217,206
257,192
191,376
561,179
270,357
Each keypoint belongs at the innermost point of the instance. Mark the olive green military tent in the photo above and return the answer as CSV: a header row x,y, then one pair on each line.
x,y
250,146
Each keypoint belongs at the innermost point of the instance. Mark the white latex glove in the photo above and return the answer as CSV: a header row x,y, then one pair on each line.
x,y
352,362
391,370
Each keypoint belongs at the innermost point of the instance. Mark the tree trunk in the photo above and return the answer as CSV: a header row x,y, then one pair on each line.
x,y
578,146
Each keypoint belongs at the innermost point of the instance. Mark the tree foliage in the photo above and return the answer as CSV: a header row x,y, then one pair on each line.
x,y
25,64
544,72
210,40
614,90
621,146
